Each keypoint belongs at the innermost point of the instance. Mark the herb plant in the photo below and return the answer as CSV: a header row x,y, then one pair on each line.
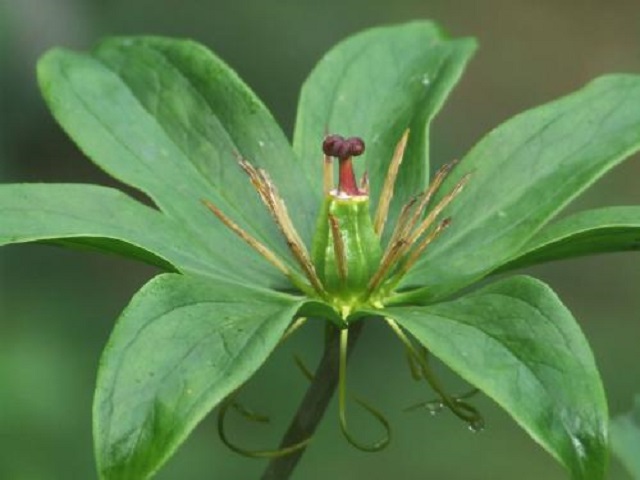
x,y
256,236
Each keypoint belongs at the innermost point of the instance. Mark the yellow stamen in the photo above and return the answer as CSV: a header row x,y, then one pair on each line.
x,y
364,183
401,229
439,177
327,175
387,190
271,257
386,264
406,234
433,214
415,254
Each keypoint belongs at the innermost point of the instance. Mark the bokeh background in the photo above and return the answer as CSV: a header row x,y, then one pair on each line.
x,y
57,307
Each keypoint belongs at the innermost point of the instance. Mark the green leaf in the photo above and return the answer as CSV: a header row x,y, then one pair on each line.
x,y
375,85
89,216
625,439
516,342
180,347
522,174
168,117
610,229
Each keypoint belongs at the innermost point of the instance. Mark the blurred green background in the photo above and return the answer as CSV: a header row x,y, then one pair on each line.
x,y
57,307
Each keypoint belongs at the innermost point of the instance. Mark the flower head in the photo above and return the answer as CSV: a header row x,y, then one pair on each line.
x,y
347,267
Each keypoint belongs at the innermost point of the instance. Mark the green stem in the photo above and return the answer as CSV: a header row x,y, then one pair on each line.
x,y
314,404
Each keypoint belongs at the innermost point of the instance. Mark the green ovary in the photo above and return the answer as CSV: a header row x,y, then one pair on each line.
x,y
362,250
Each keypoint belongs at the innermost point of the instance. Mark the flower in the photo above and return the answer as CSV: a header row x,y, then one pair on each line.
x,y
348,269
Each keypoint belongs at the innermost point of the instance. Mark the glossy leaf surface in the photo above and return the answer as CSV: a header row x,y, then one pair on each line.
x,y
181,346
519,345
611,229
89,216
168,117
523,173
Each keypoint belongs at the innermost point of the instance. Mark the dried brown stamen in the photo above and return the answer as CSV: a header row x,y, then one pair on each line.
x,y
433,214
409,229
415,254
389,260
274,203
439,177
271,257
401,229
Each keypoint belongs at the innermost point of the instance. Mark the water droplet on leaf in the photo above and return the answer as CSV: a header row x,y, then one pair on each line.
x,y
476,425
434,407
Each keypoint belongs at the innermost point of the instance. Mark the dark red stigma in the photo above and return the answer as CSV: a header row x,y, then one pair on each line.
x,y
344,149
